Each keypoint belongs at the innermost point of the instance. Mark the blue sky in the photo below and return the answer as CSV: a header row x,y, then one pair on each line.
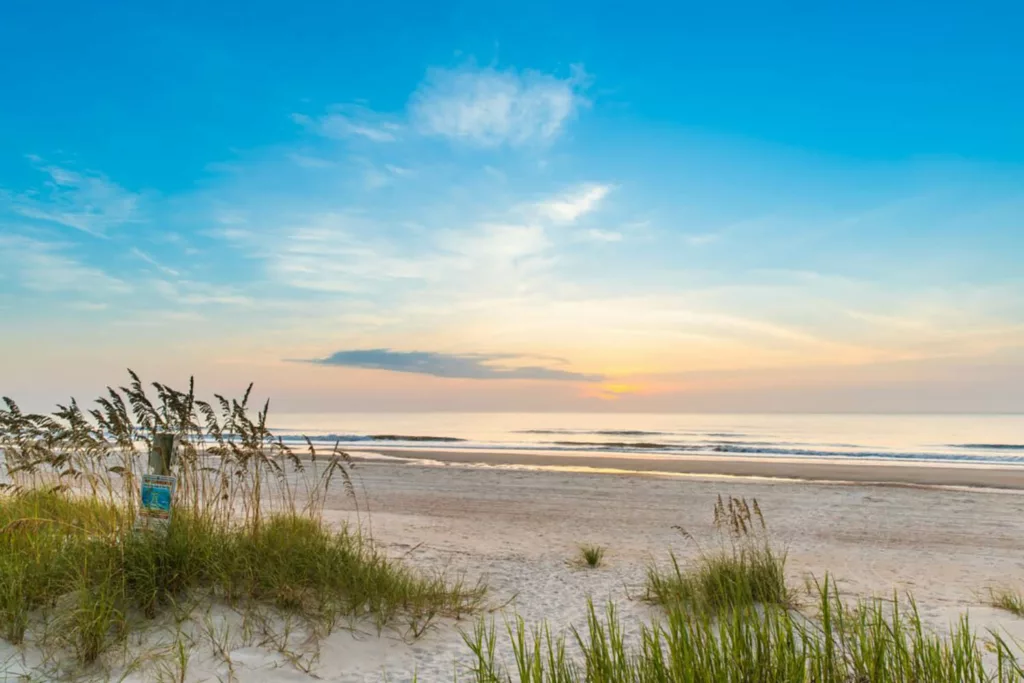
x,y
529,207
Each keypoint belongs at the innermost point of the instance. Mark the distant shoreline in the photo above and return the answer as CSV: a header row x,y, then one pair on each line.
x,y
841,471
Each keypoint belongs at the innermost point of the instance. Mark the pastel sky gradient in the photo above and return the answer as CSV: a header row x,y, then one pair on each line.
x,y
521,206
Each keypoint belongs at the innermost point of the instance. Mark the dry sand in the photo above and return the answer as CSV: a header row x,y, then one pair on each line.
x,y
516,529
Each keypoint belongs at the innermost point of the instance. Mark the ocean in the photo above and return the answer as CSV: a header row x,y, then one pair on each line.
x,y
978,439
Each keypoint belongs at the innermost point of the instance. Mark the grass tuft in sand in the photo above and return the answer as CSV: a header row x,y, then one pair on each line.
x,y
1007,599
744,570
590,555
753,575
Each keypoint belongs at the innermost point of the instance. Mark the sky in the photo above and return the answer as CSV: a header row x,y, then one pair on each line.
x,y
541,206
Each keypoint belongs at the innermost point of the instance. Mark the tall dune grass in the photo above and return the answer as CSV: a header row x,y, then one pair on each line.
x,y
247,526
750,575
872,642
743,570
230,467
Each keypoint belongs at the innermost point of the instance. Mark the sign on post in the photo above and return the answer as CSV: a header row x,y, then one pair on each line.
x,y
157,490
157,500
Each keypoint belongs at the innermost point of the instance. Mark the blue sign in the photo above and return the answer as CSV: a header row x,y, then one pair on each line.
x,y
157,497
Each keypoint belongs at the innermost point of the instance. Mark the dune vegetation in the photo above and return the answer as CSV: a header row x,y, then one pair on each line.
x,y
729,617
1007,599
78,573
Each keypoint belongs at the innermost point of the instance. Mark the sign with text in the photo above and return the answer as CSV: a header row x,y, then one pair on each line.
x,y
157,499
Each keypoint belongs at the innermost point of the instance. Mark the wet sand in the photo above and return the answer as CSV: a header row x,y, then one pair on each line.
x,y
846,470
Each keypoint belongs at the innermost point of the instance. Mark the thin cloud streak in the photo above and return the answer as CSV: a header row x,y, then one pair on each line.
x,y
570,206
88,202
153,262
46,267
348,121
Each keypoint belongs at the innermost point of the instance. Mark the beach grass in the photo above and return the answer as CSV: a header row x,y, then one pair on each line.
x,y
729,617
70,558
590,555
247,526
750,575
744,569
1007,599
874,641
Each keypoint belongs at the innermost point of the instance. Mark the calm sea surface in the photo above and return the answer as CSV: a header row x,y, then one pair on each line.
x,y
982,439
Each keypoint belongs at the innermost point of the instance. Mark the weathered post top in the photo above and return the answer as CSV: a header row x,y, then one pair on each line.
x,y
163,453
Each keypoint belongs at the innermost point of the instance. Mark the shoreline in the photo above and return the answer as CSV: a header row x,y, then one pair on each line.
x,y
839,471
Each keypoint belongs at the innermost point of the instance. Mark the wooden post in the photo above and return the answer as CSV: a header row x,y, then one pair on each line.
x,y
156,493
163,454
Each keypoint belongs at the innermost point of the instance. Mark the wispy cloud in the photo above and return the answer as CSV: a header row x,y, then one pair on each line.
x,y
328,252
568,207
451,365
595,235
398,170
344,252
484,107
701,239
490,108
375,177
45,267
88,201
349,120
494,242
192,293
138,253
310,161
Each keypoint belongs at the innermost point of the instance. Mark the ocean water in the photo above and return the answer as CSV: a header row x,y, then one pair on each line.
x,y
978,439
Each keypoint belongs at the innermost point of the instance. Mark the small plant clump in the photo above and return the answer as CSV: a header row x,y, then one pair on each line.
x,y
591,556
1008,600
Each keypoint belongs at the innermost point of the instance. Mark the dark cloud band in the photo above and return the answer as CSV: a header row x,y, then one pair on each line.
x,y
462,366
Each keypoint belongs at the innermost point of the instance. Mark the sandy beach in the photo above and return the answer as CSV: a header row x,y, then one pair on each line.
x,y
517,529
